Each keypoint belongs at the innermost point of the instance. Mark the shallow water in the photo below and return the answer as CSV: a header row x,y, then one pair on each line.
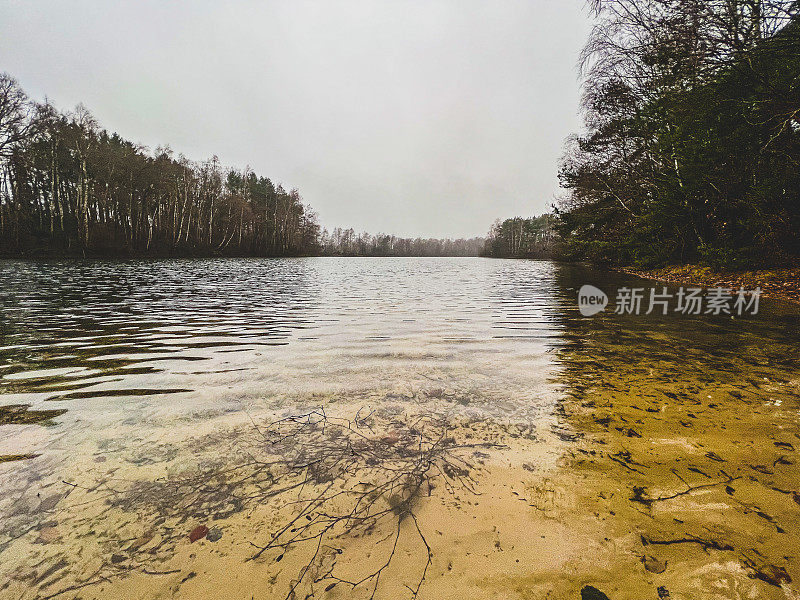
x,y
175,371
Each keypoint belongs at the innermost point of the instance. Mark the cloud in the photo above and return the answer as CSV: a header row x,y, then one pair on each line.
x,y
412,117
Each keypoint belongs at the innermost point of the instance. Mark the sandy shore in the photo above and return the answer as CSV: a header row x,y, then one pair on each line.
x,y
645,481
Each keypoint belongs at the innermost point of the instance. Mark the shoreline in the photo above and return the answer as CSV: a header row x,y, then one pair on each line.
x,y
777,284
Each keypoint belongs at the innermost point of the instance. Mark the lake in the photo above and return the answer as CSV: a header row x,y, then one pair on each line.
x,y
388,428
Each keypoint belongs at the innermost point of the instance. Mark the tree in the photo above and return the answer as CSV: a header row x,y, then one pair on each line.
x,y
691,148
14,115
67,185
534,237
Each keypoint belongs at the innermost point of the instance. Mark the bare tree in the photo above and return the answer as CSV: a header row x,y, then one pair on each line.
x,y
14,114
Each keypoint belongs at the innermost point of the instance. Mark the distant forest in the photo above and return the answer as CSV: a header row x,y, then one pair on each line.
x,y
534,237
345,242
692,148
69,187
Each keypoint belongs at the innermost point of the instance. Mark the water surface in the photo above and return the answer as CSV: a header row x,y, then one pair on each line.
x,y
121,375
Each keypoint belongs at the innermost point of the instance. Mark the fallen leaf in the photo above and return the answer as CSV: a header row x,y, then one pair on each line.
x,y
198,533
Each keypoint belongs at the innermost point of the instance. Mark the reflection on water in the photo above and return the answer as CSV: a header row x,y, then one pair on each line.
x,y
78,323
137,386
82,330
709,343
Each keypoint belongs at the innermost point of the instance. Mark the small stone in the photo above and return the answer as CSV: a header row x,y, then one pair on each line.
x,y
214,535
592,593
653,565
117,558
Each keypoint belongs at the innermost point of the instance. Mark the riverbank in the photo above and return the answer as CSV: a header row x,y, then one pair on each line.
x,y
282,429
781,284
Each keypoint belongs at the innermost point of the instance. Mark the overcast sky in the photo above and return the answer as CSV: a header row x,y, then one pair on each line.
x,y
428,118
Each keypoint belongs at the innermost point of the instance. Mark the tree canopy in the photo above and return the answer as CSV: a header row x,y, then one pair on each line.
x,y
692,142
534,237
68,185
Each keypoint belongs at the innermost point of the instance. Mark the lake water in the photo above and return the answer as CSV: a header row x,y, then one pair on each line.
x,y
168,425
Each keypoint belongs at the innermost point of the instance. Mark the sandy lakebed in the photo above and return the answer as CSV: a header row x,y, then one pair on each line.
x,y
431,428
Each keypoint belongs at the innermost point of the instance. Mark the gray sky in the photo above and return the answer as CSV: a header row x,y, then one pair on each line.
x,y
427,117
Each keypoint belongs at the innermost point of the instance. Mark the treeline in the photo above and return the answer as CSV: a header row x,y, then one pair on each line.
x,y
345,242
69,186
692,148
534,237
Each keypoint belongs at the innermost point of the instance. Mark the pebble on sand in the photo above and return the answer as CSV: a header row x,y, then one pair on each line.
x,y
592,593
653,565
214,535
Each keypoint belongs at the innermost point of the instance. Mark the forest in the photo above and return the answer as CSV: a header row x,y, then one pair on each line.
x,y
345,242
68,187
533,237
691,151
